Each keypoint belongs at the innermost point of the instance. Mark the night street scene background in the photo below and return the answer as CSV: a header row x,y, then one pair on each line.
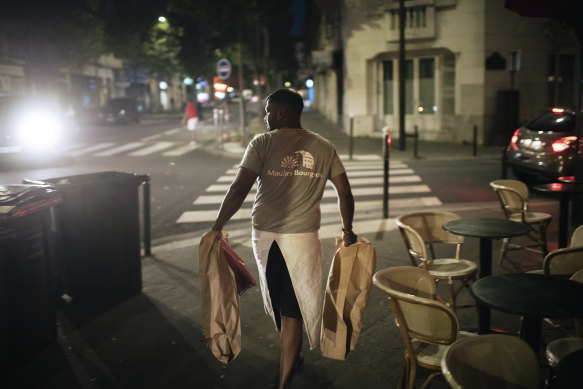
x,y
104,195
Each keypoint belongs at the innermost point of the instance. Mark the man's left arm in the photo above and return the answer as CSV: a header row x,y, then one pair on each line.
x,y
235,196
346,206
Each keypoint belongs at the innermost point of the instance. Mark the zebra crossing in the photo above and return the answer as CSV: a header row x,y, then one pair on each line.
x,y
406,190
147,146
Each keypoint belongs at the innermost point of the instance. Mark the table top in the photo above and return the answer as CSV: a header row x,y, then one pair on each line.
x,y
486,228
560,187
532,295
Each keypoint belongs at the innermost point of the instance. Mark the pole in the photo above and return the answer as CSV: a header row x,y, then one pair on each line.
x,y
386,149
351,138
416,143
402,141
475,143
241,101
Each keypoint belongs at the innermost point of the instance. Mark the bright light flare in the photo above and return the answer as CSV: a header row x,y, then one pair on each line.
x,y
563,144
558,110
39,130
514,139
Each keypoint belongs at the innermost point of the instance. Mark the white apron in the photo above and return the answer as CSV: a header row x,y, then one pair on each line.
x,y
303,258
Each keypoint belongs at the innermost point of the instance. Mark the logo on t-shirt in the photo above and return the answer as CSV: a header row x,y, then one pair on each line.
x,y
292,161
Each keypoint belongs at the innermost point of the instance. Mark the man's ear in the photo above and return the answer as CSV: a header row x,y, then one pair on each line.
x,y
282,112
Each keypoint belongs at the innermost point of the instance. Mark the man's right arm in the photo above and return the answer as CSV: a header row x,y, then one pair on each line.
x,y
235,196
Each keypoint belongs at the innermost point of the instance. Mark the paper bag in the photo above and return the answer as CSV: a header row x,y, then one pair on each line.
x,y
243,278
346,297
221,325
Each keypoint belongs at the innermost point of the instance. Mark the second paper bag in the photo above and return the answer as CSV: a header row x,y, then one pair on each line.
x,y
347,291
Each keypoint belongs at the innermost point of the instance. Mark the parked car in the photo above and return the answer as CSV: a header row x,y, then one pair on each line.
x,y
30,126
120,110
544,148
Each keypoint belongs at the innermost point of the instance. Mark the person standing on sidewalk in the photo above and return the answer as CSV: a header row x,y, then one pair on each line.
x,y
190,118
291,166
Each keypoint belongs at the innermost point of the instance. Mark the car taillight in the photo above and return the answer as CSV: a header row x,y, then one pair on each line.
x,y
558,110
563,144
514,139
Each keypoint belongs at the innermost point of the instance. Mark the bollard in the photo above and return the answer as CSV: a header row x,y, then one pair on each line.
x,y
475,143
415,137
146,208
416,142
386,150
351,138
504,164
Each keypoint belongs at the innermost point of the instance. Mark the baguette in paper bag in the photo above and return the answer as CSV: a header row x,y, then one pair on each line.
x,y
347,292
221,324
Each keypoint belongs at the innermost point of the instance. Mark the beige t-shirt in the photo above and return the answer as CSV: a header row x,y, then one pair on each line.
x,y
293,166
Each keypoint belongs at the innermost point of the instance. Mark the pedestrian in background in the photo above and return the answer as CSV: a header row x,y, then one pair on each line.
x,y
190,118
292,166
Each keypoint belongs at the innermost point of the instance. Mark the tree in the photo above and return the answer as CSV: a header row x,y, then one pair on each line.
x,y
53,35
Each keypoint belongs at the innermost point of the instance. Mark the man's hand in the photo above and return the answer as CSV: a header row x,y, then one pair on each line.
x,y
349,238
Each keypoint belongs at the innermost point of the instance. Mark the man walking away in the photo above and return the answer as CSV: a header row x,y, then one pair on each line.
x,y
291,165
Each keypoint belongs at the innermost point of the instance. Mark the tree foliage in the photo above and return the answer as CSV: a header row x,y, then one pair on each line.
x,y
198,32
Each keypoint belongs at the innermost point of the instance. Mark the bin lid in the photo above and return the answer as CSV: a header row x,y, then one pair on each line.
x,y
21,200
97,178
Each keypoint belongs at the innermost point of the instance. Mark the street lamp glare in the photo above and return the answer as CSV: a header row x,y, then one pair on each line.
x,y
162,19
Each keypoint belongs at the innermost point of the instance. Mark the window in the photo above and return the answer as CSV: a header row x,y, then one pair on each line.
x,y
388,85
420,89
409,86
426,86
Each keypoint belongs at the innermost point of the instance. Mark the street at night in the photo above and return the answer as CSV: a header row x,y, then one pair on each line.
x,y
291,194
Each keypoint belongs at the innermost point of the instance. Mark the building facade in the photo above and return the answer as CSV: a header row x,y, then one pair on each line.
x,y
467,63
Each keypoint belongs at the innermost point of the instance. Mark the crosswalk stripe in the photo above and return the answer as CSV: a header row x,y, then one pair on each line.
x,y
70,146
91,149
372,173
119,149
207,216
180,151
173,131
367,191
159,146
360,157
325,208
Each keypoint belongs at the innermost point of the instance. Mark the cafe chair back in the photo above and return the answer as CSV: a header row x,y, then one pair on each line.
x,y
564,262
577,237
426,324
513,196
559,348
422,232
491,361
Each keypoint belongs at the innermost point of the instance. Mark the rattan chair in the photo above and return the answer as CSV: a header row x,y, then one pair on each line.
x,y
564,262
491,361
577,237
513,196
421,232
426,324
559,348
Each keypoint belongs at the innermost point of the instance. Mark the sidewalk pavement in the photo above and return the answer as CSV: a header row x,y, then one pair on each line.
x,y
154,340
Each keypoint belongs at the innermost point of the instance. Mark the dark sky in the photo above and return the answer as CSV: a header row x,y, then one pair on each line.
x,y
298,9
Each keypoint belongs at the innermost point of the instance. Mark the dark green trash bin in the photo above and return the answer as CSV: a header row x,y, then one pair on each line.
x,y
27,267
99,225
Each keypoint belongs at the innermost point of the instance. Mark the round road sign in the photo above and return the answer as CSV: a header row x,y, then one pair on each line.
x,y
223,69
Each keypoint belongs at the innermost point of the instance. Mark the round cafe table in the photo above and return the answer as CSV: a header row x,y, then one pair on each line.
x,y
532,296
565,190
486,230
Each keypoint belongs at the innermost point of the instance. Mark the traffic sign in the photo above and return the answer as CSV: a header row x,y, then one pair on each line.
x,y
223,69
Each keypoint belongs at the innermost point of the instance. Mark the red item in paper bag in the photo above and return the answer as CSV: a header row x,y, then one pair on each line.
x,y
243,278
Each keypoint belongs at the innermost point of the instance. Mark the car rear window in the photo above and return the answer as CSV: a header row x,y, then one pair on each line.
x,y
555,122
